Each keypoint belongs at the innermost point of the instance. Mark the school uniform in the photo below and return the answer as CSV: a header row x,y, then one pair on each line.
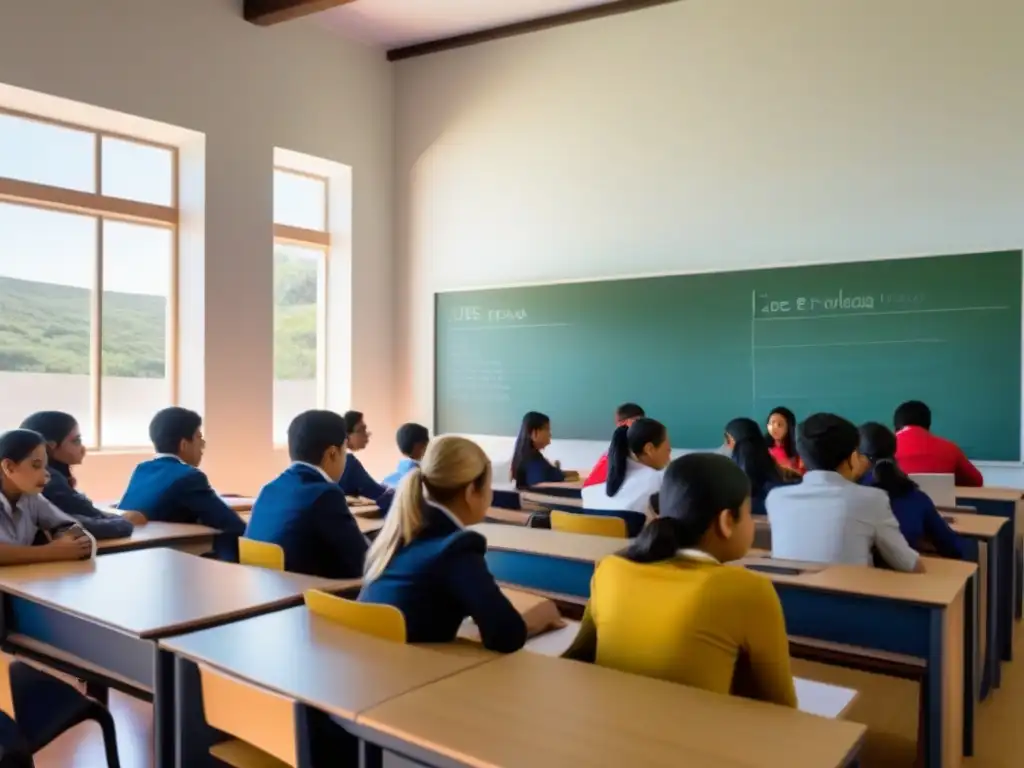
x,y
633,495
920,521
61,492
784,460
918,451
689,620
538,470
828,519
33,514
305,513
439,579
356,481
405,466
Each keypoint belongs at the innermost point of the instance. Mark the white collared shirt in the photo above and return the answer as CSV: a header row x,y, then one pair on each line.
x,y
634,495
450,515
698,554
313,466
168,456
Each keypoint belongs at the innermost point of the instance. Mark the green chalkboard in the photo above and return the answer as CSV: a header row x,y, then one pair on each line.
x,y
697,350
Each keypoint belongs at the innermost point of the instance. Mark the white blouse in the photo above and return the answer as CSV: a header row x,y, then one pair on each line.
x,y
634,494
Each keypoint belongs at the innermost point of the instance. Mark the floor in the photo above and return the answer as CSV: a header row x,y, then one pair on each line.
x,y
888,706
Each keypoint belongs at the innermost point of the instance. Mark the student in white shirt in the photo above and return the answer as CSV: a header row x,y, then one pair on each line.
x,y
637,459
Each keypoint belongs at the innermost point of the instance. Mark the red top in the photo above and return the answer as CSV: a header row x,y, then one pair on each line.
x,y
918,451
599,474
779,454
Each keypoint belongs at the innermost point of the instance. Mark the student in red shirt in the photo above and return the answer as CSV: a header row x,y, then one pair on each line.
x,y
781,436
625,415
918,451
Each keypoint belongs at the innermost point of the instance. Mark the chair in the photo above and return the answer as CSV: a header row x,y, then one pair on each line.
x,y
594,525
261,554
43,707
382,621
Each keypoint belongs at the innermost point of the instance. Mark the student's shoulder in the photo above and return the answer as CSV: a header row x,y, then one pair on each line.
x,y
463,542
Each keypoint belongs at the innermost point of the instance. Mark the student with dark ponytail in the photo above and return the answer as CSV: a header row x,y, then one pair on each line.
x,y
781,436
920,522
669,608
637,458
750,451
529,467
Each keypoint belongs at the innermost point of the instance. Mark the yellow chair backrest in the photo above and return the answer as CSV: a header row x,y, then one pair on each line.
x,y
594,525
6,692
260,554
383,621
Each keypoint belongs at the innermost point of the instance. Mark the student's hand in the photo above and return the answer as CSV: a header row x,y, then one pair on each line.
x,y
70,546
135,518
558,464
541,617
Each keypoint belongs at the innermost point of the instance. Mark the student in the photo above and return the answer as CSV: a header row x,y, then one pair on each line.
x,y
669,608
918,451
919,520
425,563
529,467
781,437
412,441
625,415
750,451
637,459
304,510
25,512
829,518
64,448
171,488
355,480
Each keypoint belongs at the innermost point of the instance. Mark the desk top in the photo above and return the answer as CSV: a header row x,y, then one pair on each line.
x,y
146,535
509,516
568,546
553,713
568,485
239,503
992,493
341,671
366,525
977,526
153,593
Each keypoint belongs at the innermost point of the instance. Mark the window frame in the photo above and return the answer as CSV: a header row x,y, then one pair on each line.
x,y
101,207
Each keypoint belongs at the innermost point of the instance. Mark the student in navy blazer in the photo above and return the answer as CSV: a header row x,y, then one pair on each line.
x,y
529,467
171,488
355,480
304,510
424,561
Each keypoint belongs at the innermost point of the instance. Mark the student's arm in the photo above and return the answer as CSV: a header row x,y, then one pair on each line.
x,y
196,495
539,470
102,525
767,645
466,575
966,473
891,544
356,481
938,532
64,548
334,524
584,647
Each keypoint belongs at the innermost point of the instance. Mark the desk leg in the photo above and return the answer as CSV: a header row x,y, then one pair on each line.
x,y
997,604
370,755
971,618
163,708
323,740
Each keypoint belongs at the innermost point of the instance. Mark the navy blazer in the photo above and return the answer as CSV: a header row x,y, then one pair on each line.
x,y
306,514
921,522
356,481
59,492
536,471
440,579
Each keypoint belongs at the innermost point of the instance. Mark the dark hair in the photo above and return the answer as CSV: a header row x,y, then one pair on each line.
x,y
789,441
352,419
628,411
912,413
311,433
410,435
752,456
627,440
18,444
878,444
172,425
825,441
696,488
54,426
524,451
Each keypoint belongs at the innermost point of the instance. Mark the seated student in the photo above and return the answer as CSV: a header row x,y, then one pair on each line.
x,y
669,608
637,459
829,518
412,441
529,466
304,510
171,488
750,452
425,563
625,415
918,451
25,512
920,522
64,448
355,480
781,437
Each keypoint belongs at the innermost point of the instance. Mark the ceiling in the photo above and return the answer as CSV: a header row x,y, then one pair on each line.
x,y
397,23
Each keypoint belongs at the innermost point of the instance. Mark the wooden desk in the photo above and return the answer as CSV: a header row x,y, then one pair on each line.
x,y
184,537
101,619
571,489
239,503
553,713
509,516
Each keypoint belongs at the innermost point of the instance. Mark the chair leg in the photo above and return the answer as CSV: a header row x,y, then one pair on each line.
x,y
102,716
98,692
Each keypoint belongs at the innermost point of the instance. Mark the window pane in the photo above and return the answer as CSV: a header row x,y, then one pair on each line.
x,y
300,201
47,154
47,271
134,171
137,262
298,281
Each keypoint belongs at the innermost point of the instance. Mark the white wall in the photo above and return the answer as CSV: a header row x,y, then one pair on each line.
x,y
197,64
707,134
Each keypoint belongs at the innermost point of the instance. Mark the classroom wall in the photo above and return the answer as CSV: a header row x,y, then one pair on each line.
x,y
704,135
198,65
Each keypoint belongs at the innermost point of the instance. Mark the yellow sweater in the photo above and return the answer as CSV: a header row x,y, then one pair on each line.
x,y
689,621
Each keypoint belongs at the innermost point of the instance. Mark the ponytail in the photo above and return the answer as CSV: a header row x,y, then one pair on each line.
x,y
404,521
618,453
659,540
885,474
878,444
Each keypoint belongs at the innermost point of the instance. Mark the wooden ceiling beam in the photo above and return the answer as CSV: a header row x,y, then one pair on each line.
x,y
268,12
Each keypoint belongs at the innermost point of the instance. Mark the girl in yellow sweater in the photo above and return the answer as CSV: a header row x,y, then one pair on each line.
x,y
669,607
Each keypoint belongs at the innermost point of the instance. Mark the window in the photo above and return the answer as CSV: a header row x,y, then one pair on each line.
x,y
88,234
301,243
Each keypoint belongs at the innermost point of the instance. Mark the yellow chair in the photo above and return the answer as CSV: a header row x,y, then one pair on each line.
x,y
594,525
261,554
382,621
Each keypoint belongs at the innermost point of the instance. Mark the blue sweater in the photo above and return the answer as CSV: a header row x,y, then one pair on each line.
x,y
356,481
440,579
307,516
536,471
921,522
59,492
